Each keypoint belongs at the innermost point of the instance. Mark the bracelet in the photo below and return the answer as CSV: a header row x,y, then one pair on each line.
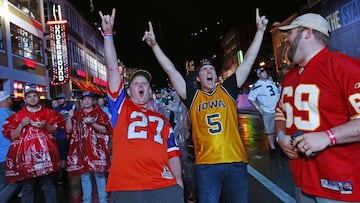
x,y
108,37
331,136
107,33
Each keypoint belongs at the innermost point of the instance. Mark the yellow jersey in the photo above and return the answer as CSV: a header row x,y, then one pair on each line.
x,y
215,131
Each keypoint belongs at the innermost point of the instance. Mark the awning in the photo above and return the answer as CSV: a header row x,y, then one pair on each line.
x,y
88,86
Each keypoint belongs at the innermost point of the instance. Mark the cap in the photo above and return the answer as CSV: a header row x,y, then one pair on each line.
x,y
87,94
259,70
30,89
142,72
309,20
4,95
60,96
204,63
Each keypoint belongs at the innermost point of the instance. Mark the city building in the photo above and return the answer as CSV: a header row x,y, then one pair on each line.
x,y
50,45
344,20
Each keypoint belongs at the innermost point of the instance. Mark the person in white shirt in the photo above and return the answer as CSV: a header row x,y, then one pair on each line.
x,y
264,96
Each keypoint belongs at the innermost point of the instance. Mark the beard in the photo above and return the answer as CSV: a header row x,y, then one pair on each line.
x,y
293,47
290,53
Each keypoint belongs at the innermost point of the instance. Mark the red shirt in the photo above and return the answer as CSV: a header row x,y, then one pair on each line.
x,y
324,95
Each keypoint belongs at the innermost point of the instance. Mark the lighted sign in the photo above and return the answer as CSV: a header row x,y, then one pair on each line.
x,y
81,73
27,46
58,42
99,81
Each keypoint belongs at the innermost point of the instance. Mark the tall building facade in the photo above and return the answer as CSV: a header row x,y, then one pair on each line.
x,y
27,50
22,47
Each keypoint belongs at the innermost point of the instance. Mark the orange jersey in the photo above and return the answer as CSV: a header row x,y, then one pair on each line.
x,y
143,142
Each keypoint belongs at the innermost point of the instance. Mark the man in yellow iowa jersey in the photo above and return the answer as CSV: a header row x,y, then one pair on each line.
x,y
220,157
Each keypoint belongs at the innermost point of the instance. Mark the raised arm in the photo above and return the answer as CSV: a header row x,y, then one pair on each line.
x,y
244,68
174,75
113,72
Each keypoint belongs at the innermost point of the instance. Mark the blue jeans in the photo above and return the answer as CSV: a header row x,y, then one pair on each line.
x,y
229,178
47,185
6,190
2,175
86,185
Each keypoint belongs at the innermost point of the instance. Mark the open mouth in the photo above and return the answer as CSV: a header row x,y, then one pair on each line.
x,y
209,78
141,92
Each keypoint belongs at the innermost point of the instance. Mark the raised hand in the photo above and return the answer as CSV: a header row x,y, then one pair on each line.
x,y
149,36
261,22
107,21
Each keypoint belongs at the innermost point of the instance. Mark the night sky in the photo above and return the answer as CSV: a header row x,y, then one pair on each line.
x,y
173,23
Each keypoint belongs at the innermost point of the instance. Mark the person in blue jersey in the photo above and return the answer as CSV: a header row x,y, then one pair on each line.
x,y
6,190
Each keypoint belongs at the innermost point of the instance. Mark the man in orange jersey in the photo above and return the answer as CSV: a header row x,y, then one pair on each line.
x,y
145,162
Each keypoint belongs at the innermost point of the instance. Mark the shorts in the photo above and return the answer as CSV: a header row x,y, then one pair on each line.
x,y
269,123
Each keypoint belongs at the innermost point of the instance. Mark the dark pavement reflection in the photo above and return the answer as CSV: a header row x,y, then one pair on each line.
x,y
271,180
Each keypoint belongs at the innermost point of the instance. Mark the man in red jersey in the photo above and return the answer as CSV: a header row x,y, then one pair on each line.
x,y
320,97
33,155
145,163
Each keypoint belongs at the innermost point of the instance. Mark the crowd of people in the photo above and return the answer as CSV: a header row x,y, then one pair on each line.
x,y
182,144
39,146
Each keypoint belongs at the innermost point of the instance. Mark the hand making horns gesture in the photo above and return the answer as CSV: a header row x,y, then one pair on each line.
x,y
107,21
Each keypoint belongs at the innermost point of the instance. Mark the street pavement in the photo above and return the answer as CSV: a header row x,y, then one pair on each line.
x,y
270,180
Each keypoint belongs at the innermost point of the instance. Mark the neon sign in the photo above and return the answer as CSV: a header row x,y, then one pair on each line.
x,y
58,42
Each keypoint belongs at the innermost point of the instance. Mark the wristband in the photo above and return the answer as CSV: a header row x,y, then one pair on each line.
x,y
107,34
331,136
108,37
